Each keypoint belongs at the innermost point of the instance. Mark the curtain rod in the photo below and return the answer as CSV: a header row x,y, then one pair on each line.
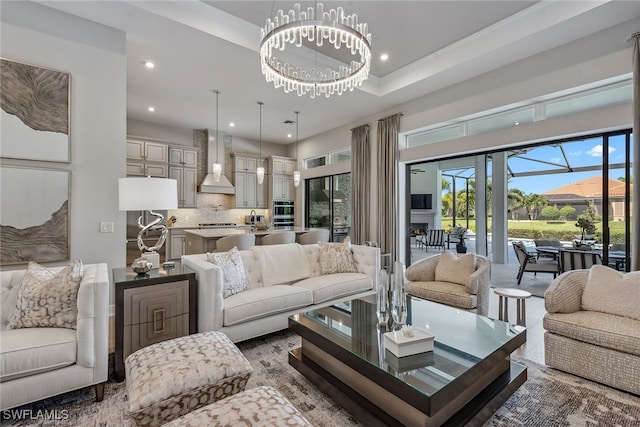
x,y
367,125
393,115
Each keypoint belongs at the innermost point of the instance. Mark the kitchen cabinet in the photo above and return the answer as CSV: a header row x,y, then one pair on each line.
x,y
185,157
246,163
282,165
176,244
146,158
147,151
249,194
282,187
187,185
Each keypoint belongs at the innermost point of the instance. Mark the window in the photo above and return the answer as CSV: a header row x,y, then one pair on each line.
x,y
331,158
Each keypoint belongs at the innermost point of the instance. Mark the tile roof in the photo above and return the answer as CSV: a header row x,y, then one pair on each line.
x,y
589,188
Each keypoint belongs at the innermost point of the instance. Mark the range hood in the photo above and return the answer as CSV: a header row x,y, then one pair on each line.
x,y
208,184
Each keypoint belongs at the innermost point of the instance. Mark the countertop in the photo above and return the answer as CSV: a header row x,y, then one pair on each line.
x,y
209,233
196,227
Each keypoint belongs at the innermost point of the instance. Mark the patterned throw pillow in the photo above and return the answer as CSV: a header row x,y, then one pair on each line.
x,y
234,277
455,269
47,299
337,258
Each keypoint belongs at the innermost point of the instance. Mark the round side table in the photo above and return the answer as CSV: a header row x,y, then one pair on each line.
x,y
503,308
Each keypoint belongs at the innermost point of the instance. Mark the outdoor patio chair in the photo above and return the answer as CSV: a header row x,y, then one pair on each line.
x,y
547,243
578,260
529,262
433,238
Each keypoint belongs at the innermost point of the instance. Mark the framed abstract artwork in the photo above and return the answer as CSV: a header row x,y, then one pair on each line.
x,y
35,112
34,214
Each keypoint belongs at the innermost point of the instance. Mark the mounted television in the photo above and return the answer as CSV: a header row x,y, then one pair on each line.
x,y
421,201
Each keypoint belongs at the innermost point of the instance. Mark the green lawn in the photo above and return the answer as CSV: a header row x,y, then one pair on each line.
x,y
561,230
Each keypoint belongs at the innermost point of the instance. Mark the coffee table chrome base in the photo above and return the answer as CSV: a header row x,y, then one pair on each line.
x,y
474,413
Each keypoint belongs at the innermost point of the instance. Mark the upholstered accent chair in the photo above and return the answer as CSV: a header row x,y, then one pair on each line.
x,y
463,281
241,241
279,238
314,236
529,262
547,243
593,326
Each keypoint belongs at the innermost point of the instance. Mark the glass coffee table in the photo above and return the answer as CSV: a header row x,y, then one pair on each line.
x,y
466,378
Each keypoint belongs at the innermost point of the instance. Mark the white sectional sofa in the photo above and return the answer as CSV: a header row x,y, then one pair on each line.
x,y
37,363
282,280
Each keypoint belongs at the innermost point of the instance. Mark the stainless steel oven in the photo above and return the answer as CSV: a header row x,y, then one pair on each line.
x,y
283,209
283,214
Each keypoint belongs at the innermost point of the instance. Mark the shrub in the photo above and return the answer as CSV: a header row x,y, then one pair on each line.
x,y
568,213
550,212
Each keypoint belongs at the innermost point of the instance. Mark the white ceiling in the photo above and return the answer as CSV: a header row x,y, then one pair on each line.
x,y
198,46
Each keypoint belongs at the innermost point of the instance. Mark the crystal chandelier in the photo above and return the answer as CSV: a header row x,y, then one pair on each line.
x,y
217,167
260,169
318,26
296,173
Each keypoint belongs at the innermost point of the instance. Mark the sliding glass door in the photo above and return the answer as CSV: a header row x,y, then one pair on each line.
x,y
328,205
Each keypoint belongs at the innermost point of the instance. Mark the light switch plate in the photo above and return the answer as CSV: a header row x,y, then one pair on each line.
x,y
106,227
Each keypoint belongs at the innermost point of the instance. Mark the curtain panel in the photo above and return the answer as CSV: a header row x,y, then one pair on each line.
x,y
360,184
635,194
388,129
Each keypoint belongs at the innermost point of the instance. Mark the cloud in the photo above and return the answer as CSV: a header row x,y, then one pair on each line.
x,y
575,153
555,160
596,151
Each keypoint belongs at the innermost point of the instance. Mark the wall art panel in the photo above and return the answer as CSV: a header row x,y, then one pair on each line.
x,y
34,215
35,112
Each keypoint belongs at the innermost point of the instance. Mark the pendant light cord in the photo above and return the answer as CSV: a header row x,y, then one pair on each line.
x,y
217,92
260,158
297,113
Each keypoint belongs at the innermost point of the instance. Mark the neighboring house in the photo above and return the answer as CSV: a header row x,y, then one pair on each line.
x,y
579,194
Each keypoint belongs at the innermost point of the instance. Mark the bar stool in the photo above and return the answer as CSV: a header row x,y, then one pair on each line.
x,y
503,305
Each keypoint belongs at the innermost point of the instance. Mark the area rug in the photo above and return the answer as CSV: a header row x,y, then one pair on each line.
x,y
548,398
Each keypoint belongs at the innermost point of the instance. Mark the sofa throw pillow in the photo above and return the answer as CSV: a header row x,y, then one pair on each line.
x,y
454,269
234,278
612,292
47,299
337,258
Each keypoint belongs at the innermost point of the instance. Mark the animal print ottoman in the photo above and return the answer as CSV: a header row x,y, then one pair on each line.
x,y
259,407
172,378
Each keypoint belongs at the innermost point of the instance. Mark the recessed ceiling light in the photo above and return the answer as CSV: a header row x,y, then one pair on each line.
x,y
149,64
516,123
231,124
289,135
384,57
151,109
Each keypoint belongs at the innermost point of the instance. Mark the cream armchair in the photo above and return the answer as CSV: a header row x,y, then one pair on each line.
x,y
462,282
37,363
593,327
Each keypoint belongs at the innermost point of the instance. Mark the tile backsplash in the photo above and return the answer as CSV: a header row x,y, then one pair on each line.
x,y
213,208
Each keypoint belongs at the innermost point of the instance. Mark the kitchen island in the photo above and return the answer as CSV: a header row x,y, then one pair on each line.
x,y
204,240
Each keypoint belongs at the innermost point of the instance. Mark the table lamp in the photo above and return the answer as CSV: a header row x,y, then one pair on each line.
x,y
147,194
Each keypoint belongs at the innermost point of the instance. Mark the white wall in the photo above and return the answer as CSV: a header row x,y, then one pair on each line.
x,y
159,131
94,55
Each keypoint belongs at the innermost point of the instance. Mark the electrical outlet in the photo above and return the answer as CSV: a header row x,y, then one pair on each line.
x,y
106,227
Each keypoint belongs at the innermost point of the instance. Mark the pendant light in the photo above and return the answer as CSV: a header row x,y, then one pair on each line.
x,y
296,173
260,169
217,167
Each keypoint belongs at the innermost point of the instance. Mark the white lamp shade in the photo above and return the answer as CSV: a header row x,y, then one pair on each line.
x,y
137,194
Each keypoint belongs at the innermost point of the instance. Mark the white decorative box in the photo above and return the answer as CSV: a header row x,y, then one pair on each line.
x,y
402,345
